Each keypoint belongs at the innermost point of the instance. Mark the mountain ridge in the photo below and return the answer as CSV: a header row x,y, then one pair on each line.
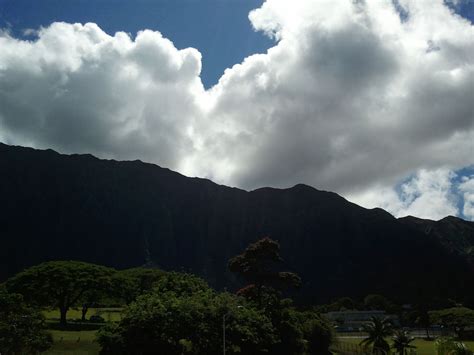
x,y
129,213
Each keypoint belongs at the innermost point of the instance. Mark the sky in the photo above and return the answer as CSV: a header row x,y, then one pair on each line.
x,y
372,99
219,29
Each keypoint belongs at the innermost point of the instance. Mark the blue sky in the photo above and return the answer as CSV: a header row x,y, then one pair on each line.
x,y
219,29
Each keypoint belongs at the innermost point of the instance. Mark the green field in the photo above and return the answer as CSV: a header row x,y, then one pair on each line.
x,y
109,314
423,347
74,343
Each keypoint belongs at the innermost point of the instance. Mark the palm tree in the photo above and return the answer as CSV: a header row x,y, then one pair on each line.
x,y
401,342
378,329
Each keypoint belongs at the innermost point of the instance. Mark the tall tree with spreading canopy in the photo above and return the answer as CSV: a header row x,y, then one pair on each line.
x,y
259,265
60,284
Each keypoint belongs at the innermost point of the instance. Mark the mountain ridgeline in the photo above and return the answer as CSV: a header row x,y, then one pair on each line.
x,y
125,214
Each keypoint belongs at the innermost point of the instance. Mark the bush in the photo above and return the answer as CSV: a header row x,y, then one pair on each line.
x,y
22,329
319,334
168,323
448,346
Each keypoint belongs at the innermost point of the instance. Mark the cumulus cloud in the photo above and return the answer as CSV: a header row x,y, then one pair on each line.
x,y
467,190
350,96
428,194
77,89
353,97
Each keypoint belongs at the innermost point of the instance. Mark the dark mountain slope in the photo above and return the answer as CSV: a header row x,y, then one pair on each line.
x,y
454,233
126,214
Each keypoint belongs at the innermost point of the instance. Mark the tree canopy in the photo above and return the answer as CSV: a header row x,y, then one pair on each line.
x,y
173,323
131,283
182,284
60,284
457,318
260,266
377,302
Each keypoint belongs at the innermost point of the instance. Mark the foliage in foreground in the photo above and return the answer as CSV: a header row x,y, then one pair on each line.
x,y
182,315
176,313
188,323
448,346
21,327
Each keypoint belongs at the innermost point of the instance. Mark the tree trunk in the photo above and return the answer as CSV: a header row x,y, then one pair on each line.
x,y
63,312
85,308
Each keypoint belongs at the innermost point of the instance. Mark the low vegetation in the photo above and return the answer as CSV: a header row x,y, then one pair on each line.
x,y
22,328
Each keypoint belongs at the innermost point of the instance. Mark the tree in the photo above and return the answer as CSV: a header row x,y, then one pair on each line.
x,y
297,332
182,284
90,298
319,334
344,303
377,329
258,265
60,284
172,324
423,319
289,326
22,328
377,302
401,342
131,283
457,318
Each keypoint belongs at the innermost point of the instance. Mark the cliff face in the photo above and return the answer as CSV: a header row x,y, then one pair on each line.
x,y
125,214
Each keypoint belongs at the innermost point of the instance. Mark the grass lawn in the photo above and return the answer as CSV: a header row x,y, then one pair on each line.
x,y
423,347
74,343
109,314
78,342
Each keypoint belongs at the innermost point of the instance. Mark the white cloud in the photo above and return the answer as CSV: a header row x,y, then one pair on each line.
x,y
428,194
78,89
467,189
348,98
351,98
